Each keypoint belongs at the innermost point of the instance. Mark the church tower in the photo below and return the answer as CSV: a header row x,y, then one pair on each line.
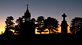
x,y
27,15
64,24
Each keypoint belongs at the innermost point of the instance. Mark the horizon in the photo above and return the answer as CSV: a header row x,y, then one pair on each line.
x,y
46,8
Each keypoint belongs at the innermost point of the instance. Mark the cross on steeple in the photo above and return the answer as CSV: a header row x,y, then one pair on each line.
x,y
64,16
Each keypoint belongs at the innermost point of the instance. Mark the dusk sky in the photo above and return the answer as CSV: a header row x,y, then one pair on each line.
x,y
46,8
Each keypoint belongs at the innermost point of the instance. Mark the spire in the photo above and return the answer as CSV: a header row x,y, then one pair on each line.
x,y
27,6
27,14
27,11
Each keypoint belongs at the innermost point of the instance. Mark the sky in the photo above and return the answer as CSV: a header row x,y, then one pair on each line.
x,y
46,8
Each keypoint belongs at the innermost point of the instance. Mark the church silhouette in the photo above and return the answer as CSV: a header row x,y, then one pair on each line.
x,y
24,31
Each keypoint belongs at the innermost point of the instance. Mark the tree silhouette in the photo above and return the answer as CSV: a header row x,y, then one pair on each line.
x,y
9,27
9,23
40,23
76,25
51,24
19,25
33,20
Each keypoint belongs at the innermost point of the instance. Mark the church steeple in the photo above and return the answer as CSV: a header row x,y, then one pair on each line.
x,y
27,14
27,11
64,24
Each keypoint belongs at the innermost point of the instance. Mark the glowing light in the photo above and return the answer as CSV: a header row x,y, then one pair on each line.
x,y
36,31
59,29
16,34
2,28
46,31
12,30
68,31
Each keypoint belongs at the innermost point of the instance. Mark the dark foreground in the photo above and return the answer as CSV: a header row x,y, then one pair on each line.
x,y
56,39
51,39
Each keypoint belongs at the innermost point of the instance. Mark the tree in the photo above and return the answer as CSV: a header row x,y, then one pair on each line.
x,y
76,25
33,20
18,27
9,27
51,24
9,23
40,23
